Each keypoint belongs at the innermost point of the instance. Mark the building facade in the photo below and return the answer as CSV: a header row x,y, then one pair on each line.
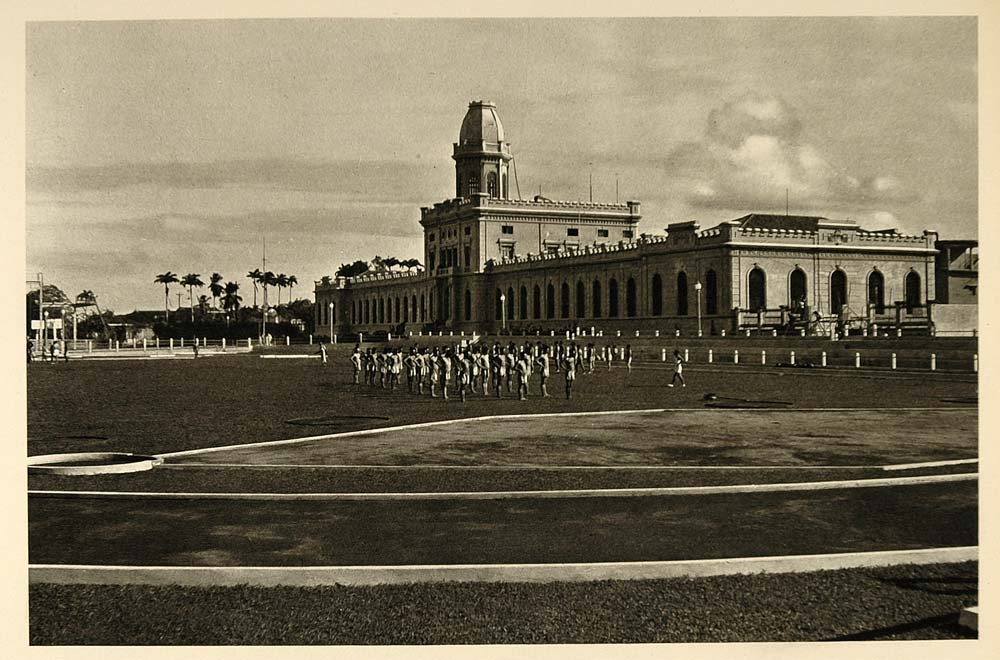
x,y
494,263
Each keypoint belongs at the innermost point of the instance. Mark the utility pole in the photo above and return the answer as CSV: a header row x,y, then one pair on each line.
x,y
616,189
263,332
591,183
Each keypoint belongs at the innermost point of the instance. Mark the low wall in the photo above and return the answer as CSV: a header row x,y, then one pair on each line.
x,y
955,319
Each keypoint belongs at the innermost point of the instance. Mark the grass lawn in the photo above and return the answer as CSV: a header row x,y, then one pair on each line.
x,y
904,602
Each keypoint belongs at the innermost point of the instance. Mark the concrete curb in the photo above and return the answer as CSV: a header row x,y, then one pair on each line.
x,y
308,576
488,418
932,464
523,494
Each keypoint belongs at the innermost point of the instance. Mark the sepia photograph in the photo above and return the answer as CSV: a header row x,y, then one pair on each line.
x,y
426,330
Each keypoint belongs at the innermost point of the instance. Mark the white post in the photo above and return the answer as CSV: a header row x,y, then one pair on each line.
x,y
420,333
748,332
763,357
567,334
677,332
618,333
663,355
823,359
685,355
462,333
636,333
90,346
157,342
774,332
310,340
793,358
249,342
171,343
802,332
656,333
335,339
552,333
621,353
893,360
182,342
723,333
144,344
710,356
288,340
933,361
224,343
736,356
833,333
204,342
899,332
451,333
116,346
411,333
857,360
361,337
875,329
975,362
591,331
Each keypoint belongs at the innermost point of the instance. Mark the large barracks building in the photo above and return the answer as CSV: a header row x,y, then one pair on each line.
x,y
494,263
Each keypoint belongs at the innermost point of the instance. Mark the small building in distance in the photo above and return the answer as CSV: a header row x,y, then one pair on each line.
x,y
498,263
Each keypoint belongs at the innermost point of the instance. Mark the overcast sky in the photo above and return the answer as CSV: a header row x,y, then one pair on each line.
x,y
179,145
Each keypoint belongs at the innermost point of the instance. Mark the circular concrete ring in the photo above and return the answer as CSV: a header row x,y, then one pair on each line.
x,y
91,463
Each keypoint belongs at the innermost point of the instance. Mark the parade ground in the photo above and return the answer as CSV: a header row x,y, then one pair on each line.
x,y
291,506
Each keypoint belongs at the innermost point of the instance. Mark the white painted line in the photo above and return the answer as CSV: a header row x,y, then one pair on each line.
x,y
539,467
289,357
523,494
932,464
269,576
487,418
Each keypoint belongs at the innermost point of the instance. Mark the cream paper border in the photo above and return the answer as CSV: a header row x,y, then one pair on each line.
x,y
13,547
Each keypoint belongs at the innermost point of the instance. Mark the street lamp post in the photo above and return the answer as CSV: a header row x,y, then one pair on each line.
x,y
331,320
503,311
697,294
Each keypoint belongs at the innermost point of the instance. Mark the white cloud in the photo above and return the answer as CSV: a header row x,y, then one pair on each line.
x,y
753,152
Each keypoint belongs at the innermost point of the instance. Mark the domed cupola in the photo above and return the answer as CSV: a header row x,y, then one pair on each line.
x,y
481,153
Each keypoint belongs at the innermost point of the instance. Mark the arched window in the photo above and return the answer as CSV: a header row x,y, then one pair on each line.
x,y
354,312
523,304
711,293
757,289
473,184
468,305
406,309
912,285
595,300
388,310
423,309
413,307
656,295
581,300
430,304
503,188
367,313
613,299
498,311
876,292
797,290
446,304
491,184
630,297
381,310
682,294
550,301
564,301
396,315
838,290
536,303
510,303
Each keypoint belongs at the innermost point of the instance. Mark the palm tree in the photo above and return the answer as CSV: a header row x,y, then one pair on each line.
x,y
192,280
166,279
390,262
231,300
203,304
266,280
215,288
282,281
292,281
88,298
255,276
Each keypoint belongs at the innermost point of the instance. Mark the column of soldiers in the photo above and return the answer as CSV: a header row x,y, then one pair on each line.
x,y
479,369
